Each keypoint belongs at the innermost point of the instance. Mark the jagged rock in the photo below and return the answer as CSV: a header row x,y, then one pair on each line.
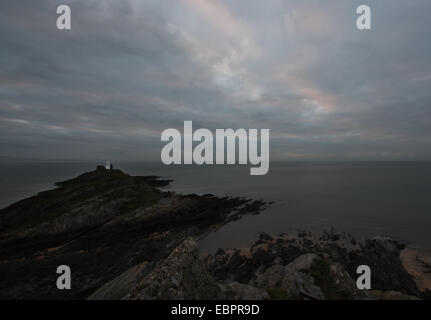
x,y
331,277
418,265
121,286
101,223
241,291
346,286
270,278
382,255
330,260
181,276
287,283
388,244
304,262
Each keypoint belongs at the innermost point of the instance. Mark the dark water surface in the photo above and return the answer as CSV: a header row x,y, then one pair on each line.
x,y
363,198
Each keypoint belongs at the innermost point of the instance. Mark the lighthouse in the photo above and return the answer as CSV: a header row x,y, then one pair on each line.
x,y
108,165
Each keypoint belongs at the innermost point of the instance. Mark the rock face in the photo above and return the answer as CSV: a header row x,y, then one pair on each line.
x,y
185,275
302,266
418,265
120,287
241,291
284,282
181,276
101,224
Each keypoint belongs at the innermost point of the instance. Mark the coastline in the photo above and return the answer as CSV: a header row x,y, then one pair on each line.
x,y
124,237
100,223
362,199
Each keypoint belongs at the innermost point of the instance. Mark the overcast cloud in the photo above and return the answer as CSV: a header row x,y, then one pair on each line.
x,y
130,69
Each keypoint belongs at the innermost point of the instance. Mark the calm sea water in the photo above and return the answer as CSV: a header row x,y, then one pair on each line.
x,y
363,198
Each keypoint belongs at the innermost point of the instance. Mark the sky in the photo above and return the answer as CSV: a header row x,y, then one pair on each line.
x,y
130,69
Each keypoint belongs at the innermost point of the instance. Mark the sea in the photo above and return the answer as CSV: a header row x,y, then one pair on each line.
x,y
365,199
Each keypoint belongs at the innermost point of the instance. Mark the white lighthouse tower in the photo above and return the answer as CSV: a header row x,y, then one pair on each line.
x,y
108,165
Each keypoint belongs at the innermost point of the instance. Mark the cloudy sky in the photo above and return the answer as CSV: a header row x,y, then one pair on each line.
x,y
129,69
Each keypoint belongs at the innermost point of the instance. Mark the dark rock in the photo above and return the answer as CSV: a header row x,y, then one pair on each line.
x,y
101,224
291,284
241,291
122,285
181,276
330,260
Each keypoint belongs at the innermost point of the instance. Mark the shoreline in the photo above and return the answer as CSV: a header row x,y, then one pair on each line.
x,y
105,216
309,206
110,226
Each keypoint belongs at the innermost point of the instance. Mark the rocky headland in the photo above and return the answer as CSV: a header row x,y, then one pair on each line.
x,y
125,238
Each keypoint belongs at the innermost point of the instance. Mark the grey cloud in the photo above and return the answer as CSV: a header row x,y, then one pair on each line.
x,y
129,69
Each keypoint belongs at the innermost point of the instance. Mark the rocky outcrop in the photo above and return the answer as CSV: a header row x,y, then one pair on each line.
x,y
242,291
120,287
310,276
284,282
180,276
418,264
303,266
101,224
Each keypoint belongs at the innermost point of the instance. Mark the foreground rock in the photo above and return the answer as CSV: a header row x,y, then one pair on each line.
x,y
181,276
418,265
302,266
120,287
102,224
241,274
